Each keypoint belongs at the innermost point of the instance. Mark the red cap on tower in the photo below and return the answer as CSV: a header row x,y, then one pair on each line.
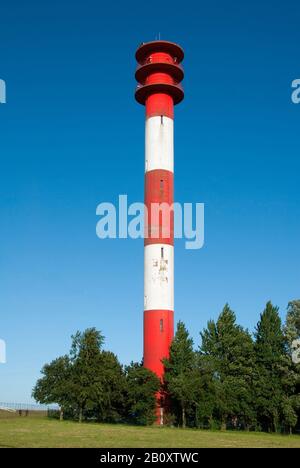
x,y
159,70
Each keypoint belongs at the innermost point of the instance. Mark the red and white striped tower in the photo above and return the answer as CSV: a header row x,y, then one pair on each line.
x,y
159,74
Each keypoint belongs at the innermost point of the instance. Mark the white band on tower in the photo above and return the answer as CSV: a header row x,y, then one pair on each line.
x,y
159,147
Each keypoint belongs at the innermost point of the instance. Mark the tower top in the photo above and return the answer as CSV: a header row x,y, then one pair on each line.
x,y
148,48
159,70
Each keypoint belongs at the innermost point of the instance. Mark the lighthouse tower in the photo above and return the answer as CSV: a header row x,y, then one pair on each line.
x,y
159,74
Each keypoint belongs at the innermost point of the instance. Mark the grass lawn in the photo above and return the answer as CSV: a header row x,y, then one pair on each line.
x,y
42,432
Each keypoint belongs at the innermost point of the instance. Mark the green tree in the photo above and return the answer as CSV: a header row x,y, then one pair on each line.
x,y
292,329
55,385
142,386
273,379
90,381
292,325
109,405
205,393
227,354
86,361
291,404
181,374
288,408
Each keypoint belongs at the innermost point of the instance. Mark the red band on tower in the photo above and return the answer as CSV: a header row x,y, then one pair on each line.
x,y
159,196
160,104
158,335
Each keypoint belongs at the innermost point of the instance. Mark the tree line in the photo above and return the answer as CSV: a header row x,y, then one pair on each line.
x,y
233,379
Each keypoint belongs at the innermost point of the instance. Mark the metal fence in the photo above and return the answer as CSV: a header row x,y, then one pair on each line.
x,y
26,406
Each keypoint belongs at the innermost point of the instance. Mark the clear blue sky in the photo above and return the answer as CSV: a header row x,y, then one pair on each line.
x,y
71,136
